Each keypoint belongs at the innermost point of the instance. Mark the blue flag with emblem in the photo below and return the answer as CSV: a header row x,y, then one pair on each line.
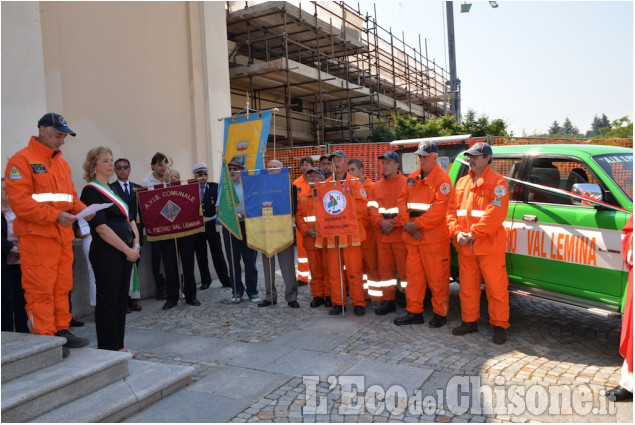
x,y
268,219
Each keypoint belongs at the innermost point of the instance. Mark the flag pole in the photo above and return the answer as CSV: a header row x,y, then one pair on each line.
x,y
179,270
339,268
271,277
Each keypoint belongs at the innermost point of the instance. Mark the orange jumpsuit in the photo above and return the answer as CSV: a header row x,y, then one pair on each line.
x,y
39,187
305,220
304,273
425,202
351,257
369,248
391,249
480,208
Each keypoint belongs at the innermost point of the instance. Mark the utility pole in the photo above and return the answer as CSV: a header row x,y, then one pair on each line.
x,y
454,89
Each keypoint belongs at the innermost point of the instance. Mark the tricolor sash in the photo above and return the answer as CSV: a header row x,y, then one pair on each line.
x,y
108,193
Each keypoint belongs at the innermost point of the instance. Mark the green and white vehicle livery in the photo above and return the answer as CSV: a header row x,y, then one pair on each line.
x,y
561,247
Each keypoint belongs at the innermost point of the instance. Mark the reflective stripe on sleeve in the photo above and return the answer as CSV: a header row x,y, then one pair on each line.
x,y
372,204
475,213
309,219
418,207
52,197
393,210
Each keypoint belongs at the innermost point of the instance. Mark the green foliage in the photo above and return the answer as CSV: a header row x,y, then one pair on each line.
x,y
620,128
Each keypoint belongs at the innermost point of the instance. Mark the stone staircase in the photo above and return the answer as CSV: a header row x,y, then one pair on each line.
x,y
90,385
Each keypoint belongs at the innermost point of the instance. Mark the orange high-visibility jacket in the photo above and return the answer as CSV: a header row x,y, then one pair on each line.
x,y
39,187
305,215
430,198
480,208
382,204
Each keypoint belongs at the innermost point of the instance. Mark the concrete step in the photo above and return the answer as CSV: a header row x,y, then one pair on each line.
x,y
23,354
85,371
146,384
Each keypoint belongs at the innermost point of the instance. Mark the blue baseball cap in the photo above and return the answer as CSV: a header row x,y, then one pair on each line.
x,y
317,170
337,153
56,121
480,148
426,147
390,155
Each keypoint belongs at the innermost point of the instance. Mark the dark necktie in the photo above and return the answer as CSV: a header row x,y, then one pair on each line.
x,y
125,189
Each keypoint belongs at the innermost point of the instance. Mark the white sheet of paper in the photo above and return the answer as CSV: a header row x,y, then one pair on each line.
x,y
92,209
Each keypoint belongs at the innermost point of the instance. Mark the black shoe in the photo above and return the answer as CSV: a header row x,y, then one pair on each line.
x,y
204,286
327,302
266,303
65,352
437,321
316,302
226,285
500,335
193,302
409,319
76,323
168,305
72,341
293,304
386,307
302,283
160,294
337,309
359,310
619,393
465,328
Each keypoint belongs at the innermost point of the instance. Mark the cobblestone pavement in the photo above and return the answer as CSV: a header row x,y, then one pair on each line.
x,y
547,346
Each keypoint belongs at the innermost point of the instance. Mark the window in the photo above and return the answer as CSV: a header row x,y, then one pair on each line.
x,y
509,167
559,174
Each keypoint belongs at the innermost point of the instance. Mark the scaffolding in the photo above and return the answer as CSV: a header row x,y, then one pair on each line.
x,y
332,72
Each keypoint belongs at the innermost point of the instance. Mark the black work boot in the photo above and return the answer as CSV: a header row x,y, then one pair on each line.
x,y
386,307
437,321
409,319
327,302
500,335
465,328
316,302
72,341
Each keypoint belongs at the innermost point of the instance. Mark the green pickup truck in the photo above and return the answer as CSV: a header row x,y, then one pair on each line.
x,y
562,248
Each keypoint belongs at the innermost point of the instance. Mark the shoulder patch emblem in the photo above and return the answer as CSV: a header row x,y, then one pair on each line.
x,y
411,182
445,188
14,174
363,192
500,190
38,167
496,202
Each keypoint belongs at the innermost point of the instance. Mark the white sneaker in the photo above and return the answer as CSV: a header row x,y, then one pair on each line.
x,y
236,299
255,298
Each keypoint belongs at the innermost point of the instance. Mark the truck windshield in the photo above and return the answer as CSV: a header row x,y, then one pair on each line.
x,y
620,168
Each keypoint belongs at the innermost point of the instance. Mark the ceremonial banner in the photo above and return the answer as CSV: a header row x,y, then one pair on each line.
x,y
171,212
268,219
247,137
335,213
227,201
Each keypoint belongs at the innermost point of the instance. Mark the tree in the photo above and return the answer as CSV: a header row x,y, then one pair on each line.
x,y
621,128
555,129
568,129
599,127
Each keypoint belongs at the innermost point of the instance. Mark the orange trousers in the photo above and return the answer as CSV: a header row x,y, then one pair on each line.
x,y
303,261
428,265
351,257
491,268
47,278
391,258
369,257
320,285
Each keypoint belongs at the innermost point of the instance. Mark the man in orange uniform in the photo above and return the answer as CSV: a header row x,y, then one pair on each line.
x,y
305,225
475,219
423,205
369,247
42,195
391,249
350,255
301,183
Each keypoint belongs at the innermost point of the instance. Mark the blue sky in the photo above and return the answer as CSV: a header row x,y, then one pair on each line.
x,y
529,63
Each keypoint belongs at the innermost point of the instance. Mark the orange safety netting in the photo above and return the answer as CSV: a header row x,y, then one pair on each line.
x,y
290,157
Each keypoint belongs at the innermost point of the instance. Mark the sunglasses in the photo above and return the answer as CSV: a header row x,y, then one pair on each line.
x,y
201,173
122,167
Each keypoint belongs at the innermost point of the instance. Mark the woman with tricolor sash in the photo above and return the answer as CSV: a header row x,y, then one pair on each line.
x,y
113,251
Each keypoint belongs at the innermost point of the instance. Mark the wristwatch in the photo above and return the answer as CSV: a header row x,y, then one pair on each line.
x,y
136,246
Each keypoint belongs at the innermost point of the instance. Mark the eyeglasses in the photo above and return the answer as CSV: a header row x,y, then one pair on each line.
x,y
122,167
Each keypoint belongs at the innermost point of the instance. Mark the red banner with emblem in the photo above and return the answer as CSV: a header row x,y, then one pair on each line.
x,y
335,214
171,212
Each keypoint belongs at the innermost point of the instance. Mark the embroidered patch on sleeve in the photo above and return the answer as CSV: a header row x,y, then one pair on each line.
x,y
363,192
497,201
445,188
500,190
14,174
411,182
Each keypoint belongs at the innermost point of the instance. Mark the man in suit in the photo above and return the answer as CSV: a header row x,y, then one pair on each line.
x,y
211,236
125,189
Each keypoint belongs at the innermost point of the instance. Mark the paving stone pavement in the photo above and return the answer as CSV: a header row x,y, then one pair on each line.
x,y
278,364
